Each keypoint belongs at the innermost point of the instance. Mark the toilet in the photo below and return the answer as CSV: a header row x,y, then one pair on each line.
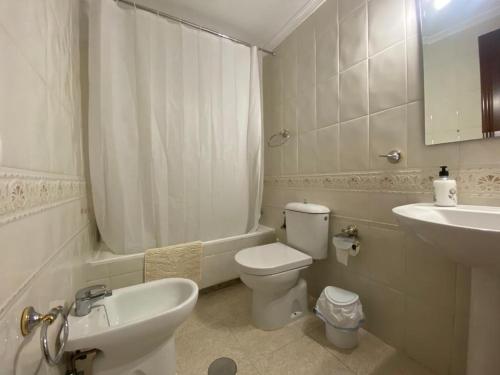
x,y
272,271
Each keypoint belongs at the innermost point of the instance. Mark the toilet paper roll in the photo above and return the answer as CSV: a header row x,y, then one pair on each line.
x,y
345,246
342,256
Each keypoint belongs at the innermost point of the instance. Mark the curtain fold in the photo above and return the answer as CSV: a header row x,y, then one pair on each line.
x,y
175,131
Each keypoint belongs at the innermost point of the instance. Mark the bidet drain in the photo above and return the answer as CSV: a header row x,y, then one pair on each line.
x,y
222,366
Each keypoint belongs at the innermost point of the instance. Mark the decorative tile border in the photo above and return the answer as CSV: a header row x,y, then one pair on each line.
x,y
24,193
485,181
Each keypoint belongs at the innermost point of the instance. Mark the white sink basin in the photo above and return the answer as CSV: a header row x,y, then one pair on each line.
x,y
469,235
134,327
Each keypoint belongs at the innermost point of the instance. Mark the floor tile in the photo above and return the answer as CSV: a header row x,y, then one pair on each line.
x,y
196,350
399,364
221,326
303,356
362,360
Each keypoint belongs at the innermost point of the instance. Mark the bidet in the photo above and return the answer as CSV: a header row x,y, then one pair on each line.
x,y
133,329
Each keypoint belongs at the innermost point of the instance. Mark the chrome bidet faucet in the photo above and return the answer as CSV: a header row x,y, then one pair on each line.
x,y
86,297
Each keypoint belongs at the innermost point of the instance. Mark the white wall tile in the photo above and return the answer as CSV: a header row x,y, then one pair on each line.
x,y
41,131
288,55
328,149
326,54
272,161
429,335
127,279
354,145
388,132
385,313
305,35
386,24
353,38
415,72
326,17
381,205
481,152
290,155
306,70
307,152
385,256
430,276
354,92
290,115
387,89
27,25
306,109
347,6
388,78
23,95
327,102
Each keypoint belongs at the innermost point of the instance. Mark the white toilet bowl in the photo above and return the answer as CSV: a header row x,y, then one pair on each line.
x,y
272,272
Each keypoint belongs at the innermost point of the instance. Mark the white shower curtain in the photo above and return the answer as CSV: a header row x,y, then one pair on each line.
x,y
175,131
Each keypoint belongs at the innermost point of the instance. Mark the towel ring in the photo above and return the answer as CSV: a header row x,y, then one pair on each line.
x,y
285,136
30,319
44,342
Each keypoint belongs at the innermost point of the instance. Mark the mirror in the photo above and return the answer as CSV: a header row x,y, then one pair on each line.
x,y
461,53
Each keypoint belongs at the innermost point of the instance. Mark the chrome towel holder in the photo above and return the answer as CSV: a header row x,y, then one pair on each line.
x,y
285,136
30,319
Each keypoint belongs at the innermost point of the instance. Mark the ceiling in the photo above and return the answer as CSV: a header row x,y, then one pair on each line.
x,y
261,22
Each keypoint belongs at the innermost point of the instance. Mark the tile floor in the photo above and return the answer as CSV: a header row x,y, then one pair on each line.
x,y
220,326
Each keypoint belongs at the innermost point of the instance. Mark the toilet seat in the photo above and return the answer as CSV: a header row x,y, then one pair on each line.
x,y
339,296
271,259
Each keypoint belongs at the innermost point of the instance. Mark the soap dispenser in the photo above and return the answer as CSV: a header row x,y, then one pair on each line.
x,y
445,189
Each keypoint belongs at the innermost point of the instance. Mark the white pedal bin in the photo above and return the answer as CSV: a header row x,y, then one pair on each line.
x,y
342,312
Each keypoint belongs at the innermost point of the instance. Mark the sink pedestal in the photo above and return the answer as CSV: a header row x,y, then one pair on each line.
x,y
483,356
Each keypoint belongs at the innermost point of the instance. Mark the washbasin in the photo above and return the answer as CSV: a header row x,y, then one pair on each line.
x,y
134,327
469,235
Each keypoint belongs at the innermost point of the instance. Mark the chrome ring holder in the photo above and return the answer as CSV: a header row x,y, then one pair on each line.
x,y
30,319
285,136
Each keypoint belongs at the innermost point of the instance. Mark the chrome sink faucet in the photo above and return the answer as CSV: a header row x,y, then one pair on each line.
x,y
86,297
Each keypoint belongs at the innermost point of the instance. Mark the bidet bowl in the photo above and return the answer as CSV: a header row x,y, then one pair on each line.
x,y
133,323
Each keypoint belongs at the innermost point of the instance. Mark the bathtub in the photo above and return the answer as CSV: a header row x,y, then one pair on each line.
x,y
217,263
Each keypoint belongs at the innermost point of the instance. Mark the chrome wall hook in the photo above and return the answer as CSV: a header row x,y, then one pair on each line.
x,y
394,156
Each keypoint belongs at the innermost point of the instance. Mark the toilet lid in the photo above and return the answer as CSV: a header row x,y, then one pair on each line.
x,y
270,259
339,296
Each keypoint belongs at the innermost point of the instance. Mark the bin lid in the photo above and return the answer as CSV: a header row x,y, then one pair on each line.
x,y
339,296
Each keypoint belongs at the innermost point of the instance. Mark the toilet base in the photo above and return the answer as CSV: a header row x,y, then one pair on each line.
x,y
275,310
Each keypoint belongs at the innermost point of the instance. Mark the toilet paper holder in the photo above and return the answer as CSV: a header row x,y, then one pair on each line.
x,y
350,230
346,244
350,235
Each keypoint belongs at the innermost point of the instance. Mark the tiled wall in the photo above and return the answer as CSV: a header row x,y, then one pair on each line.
x,y
348,85
45,231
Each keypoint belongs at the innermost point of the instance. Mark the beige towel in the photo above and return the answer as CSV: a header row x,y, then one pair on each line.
x,y
182,260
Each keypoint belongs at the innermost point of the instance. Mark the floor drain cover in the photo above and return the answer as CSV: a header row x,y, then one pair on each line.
x,y
222,366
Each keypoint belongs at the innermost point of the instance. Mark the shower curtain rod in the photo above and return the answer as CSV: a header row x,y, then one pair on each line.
x,y
189,23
